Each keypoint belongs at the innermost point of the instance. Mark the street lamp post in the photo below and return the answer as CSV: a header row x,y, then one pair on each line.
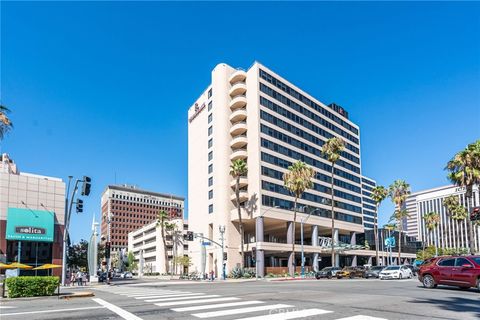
x,y
302,220
256,241
221,229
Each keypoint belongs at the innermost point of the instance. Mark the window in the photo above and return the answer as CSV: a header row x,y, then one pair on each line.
x,y
210,116
462,261
210,106
447,262
210,208
210,168
210,194
210,143
210,130
210,181
210,93
210,155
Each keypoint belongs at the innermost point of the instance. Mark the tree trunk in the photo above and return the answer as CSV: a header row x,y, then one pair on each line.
x,y
240,223
400,243
471,239
162,226
375,230
293,235
333,220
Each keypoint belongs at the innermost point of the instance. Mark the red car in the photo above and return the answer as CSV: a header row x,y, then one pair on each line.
x,y
463,272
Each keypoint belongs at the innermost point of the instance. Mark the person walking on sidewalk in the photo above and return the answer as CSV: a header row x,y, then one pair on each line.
x,y
79,278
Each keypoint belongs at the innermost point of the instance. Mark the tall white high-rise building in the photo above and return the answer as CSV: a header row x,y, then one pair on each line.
x,y
258,116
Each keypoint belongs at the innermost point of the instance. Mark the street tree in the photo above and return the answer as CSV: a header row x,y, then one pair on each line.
x,y
131,265
5,122
398,193
297,180
379,193
332,150
432,220
239,169
77,255
163,222
464,171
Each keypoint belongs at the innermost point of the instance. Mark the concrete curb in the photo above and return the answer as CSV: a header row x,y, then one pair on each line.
x,y
83,294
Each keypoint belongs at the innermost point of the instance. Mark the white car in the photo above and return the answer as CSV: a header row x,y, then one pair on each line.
x,y
395,272
126,275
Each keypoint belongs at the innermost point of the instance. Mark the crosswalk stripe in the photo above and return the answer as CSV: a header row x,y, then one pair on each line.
x,y
170,296
217,306
289,315
230,312
179,303
183,298
136,296
360,317
146,293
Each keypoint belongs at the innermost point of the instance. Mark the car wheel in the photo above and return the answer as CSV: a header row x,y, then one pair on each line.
x,y
350,276
317,277
339,277
428,282
329,276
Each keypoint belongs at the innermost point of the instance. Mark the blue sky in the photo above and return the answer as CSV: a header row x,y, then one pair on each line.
x,y
103,88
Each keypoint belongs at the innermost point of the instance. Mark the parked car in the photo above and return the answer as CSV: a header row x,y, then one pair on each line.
x,y
412,268
460,271
102,277
327,272
351,272
374,272
395,272
126,275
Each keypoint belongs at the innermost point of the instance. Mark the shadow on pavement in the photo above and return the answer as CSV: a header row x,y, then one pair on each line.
x,y
456,304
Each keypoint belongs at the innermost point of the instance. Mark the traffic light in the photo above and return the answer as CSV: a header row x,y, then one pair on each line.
x,y
224,256
475,214
79,205
86,186
189,235
107,250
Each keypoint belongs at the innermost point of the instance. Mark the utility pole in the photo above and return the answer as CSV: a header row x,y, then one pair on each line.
x,y
222,239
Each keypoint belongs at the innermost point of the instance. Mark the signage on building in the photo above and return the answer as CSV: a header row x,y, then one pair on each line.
x,y
197,111
30,225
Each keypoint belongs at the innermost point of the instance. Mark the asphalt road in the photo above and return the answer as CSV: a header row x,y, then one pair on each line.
x,y
356,299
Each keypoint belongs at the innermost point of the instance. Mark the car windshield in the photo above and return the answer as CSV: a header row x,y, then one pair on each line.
x,y
327,269
392,268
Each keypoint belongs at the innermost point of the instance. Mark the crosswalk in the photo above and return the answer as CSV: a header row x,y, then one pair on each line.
x,y
215,306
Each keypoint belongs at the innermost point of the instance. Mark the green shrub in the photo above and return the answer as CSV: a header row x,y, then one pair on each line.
x,y
31,286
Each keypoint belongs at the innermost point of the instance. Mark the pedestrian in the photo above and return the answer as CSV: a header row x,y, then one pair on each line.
x,y
79,277
84,278
212,275
72,279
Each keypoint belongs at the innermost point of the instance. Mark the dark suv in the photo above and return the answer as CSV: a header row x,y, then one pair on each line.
x,y
327,272
463,272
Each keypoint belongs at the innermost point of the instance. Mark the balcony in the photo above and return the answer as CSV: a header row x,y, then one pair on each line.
x,y
239,101
238,128
238,115
239,154
243,196
239,141
238,88
237,76
242,183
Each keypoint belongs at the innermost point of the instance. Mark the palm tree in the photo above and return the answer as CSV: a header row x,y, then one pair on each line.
x,y
455,211
5,123
379,193
464,170
332,149
431,222
398,192
297,179
165,225
238,168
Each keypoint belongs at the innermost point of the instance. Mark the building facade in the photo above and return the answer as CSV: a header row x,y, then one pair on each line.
x,y
258,116
450,233
131,208
147,246
369,208
32,211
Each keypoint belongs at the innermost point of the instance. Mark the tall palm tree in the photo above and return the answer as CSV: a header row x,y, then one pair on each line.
x,y
332,149
165,225
238,168
398,192
454,210
464,170
5,123
431,222
379,193
297,179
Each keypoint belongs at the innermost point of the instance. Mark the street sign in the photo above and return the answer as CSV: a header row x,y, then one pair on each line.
x,y
390,242
206,243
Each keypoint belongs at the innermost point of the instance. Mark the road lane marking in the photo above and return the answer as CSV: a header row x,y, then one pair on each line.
x,y
48,311
230,312
169,296
289,315
360,317
6,307
179,303
122,313
183,298
153,293
217,306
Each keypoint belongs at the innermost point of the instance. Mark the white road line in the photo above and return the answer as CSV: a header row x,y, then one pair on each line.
x,y
217,306
360,317
180,303
6,307
170,296
122,313
289,315
230,312
153,294
183,298
144,292
48,311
